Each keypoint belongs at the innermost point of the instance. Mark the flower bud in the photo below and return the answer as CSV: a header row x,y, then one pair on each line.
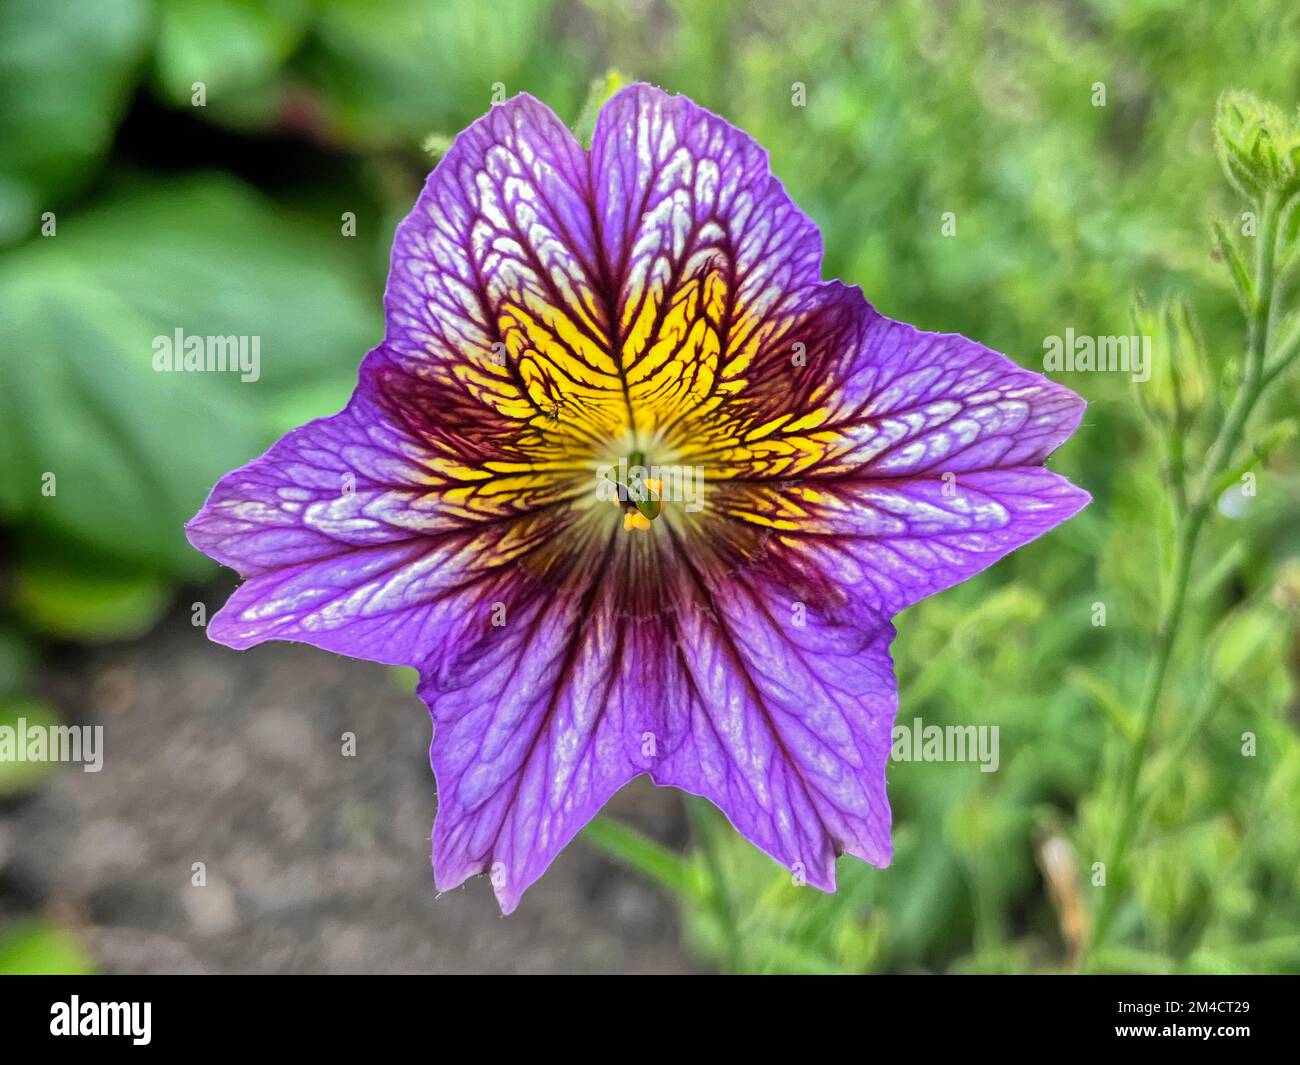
x,y
1258,146
1176,390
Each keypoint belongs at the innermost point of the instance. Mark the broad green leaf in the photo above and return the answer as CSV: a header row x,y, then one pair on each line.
x,y
42,948
61,596
96,446
229,46
390,71
66,69
19,775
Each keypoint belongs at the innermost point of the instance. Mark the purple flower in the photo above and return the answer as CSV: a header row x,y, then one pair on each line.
x,y
637,492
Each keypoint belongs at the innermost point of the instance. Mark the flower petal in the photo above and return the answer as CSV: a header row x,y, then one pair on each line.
x,y
547,309
377,532
541,717
913,402
894,541
792,706
889,399
354,536
650,654
493,296
919,467
709,259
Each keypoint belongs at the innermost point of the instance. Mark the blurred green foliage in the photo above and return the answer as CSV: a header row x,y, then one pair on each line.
x,y
41,948
226,219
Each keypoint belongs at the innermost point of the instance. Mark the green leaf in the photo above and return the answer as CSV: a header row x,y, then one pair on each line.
x,y
1101,692
99,449
59,596
18,776
389,71
228,45
1237,270
643,854
41,948
66,71
404,678
1246,647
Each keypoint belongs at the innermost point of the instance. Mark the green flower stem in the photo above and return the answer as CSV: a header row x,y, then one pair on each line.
x,y
1287,350
1202,710
1261,321
1175,466
1191,521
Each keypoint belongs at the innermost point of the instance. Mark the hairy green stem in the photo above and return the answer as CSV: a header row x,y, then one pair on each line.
x,y
1191,520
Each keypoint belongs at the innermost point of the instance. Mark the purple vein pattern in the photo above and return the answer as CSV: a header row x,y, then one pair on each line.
x,y
807,469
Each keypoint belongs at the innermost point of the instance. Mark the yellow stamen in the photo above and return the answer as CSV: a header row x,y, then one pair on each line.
x,y
634,519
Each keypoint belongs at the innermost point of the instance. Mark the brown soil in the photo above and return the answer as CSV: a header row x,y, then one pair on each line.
x,y
315,862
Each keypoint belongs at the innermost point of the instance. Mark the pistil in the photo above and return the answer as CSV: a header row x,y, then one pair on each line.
x,y
637,493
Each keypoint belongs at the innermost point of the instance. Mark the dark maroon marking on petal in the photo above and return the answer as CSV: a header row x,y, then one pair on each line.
x,y
538,722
